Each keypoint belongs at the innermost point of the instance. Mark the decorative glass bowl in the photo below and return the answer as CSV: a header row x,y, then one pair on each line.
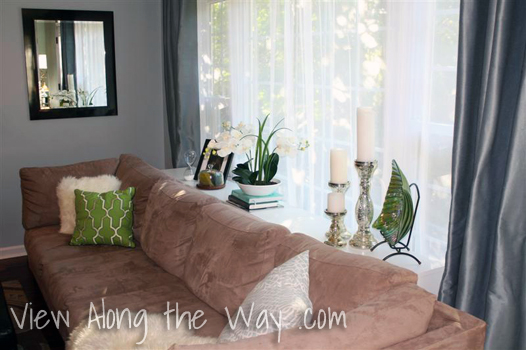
x,y
211,179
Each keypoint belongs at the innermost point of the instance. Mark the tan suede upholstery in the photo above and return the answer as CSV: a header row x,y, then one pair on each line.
x,y
39,189
134,172
398,314
71,277
45,246
328,288
231,252
170,222
207,255
449,328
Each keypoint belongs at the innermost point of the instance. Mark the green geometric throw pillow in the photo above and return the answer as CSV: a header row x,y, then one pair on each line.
x,y
104,218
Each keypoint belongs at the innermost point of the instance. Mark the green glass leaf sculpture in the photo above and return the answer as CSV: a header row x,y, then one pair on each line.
x,y
394,222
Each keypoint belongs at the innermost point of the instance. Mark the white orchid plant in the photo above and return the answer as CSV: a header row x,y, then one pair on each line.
x,y
262,160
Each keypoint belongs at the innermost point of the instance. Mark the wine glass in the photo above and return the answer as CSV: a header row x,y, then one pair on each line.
x,y
189,158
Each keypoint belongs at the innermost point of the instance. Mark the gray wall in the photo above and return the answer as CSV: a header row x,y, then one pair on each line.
x,y
138,129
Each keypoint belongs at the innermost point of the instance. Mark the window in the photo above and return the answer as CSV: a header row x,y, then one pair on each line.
x,y
313,62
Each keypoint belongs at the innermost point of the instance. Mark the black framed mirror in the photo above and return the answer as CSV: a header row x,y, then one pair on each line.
x,y
70,63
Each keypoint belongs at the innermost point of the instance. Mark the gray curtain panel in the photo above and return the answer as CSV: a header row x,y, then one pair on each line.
x,y
181,77
69,65
485,271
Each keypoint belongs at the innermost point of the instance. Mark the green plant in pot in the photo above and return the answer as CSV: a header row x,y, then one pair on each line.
x,y
255,177
87,97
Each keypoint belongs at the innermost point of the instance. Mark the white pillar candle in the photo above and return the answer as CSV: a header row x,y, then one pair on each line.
x,y
338,166
365,134
42,62
71,82
336,202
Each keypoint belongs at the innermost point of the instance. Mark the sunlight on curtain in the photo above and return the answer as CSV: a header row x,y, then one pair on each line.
x,y
90,57
313,63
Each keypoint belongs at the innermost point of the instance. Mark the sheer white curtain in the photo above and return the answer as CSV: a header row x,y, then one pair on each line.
x,y
313,63
90,58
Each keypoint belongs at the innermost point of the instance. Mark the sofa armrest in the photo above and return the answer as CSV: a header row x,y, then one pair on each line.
x,y
449,329
39,189
401,313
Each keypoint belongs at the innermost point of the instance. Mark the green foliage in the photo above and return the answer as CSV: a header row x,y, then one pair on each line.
x,y
261,169
87,97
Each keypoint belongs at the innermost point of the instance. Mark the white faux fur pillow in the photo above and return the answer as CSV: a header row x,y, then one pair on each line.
x,y
66,195
154,333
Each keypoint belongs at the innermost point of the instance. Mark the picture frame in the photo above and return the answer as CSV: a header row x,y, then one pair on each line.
x,y
219,163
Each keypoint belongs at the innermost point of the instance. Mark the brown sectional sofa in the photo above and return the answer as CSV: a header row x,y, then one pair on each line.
x,y
204,255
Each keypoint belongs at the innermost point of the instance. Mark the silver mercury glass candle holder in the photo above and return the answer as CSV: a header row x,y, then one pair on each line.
x,y
363,239
334,235
340,188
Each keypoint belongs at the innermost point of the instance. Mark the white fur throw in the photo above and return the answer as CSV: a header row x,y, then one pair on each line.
x,y
158,336
66,195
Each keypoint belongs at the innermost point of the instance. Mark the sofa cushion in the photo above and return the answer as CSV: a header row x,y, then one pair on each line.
x,y
130,281
231,252
399,314
45,245
39,186
154,300
120,272
72,277
365,277
169,223
134,172
124,279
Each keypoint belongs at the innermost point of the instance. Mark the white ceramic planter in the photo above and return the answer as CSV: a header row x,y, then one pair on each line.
x,y
259,190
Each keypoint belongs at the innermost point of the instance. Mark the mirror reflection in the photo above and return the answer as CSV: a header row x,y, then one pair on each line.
x,y
71,64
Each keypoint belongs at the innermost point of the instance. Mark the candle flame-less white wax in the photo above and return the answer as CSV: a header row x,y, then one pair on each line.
x,y
71,82
365,134
336,202
338,166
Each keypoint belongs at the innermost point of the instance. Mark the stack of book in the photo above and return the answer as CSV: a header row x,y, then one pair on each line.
x,y
241,200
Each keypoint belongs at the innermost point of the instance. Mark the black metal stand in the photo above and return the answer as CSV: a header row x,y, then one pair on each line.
x,y
401,246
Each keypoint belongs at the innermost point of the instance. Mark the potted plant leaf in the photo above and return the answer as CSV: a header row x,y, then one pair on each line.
x,y
87,97
255,177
